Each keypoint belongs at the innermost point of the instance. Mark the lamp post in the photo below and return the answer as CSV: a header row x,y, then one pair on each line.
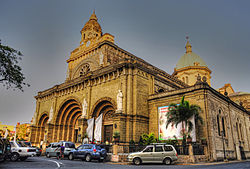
x,y
222,133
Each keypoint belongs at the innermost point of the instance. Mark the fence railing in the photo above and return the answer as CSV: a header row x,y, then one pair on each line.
x,y
182,149
198,149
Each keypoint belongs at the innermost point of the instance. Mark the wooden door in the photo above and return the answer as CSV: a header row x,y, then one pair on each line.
x,y
108,133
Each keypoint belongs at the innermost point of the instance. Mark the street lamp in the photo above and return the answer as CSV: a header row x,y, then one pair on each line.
x,y
222,133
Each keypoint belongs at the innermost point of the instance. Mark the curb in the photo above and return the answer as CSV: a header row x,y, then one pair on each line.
x,y
205,163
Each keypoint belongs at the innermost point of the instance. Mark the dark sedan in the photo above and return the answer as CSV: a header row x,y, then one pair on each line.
x,y
88,152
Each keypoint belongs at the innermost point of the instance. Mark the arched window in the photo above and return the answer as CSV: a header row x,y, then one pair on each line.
x,y
237,129
223,126
183,79
241,136
84,69
218,124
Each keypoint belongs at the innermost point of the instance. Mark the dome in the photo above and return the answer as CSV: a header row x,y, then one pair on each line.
x,y
190,59
92,28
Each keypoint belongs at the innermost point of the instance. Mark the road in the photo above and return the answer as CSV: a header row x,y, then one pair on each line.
x,y
53,163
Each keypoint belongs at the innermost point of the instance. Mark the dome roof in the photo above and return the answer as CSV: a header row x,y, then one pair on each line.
x,y
92,25
190,59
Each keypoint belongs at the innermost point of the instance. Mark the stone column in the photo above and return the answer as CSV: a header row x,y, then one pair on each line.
x,y
191,153
119,120
49,128
83,125
238,154
33,131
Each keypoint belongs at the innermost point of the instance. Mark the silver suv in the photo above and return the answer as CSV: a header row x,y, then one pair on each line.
x,y
157,153
53,149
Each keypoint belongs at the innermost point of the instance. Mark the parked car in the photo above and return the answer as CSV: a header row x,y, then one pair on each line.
x,y
21,151
88,152
38,151
53,149
5,149
157,153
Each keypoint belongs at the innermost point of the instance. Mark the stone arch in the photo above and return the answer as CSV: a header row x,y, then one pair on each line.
x,y
68,113
41,124
99,103
107,107
43,119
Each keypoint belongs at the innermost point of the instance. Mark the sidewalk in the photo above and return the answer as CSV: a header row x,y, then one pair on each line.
x,y
200,163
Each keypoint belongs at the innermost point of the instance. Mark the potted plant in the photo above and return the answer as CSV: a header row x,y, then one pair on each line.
x,y
203,141
189,139
116,136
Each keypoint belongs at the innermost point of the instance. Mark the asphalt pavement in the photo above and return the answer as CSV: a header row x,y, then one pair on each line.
x,y
53,163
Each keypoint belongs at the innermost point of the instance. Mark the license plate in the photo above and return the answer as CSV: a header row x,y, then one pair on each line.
x,y
101,158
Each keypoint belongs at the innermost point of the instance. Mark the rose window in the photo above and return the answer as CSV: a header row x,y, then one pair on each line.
x,y
84,69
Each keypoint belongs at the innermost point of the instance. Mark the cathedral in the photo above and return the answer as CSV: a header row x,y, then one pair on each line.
x,y
104,80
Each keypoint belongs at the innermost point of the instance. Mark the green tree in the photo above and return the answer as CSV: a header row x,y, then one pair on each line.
x,y
10,72
148,138
182,113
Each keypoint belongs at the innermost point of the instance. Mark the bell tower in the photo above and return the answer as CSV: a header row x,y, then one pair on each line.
x,y
91,30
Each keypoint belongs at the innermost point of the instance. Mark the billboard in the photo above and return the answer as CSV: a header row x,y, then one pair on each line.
x,y
171,131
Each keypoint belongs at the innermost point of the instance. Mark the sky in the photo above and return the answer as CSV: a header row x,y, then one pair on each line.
x,y
46,31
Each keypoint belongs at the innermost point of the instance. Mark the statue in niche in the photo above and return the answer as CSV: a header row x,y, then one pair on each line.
x,y
84,108
101,58
51,114
119,100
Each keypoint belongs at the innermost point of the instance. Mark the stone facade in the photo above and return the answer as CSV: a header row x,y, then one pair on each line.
x,y
98,70
215,109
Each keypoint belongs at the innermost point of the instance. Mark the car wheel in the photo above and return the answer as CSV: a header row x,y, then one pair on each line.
x,y
167,161
47,155
71,157
137,161
2,159
14,157
88,157
23,158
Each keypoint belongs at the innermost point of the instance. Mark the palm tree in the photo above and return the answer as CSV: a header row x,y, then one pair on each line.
x,y
182,113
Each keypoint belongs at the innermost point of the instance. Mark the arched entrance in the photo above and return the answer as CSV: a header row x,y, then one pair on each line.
x,y
41,135
105,107
67,128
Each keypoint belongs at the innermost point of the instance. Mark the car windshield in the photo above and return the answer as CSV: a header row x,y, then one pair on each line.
x,y
98,147
69,145
21,144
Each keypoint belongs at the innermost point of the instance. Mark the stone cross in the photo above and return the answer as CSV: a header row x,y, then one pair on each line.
x,y
119,100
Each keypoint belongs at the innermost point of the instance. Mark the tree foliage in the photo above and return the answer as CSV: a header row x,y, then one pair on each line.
x,y
10,72
182,113
148,138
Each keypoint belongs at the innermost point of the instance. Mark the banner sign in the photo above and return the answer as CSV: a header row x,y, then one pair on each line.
x,y
171,131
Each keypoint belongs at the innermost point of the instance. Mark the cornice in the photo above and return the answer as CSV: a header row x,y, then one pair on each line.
x,y
198,87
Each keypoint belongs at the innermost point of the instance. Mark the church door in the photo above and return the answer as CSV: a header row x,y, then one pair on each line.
x,y
108,133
